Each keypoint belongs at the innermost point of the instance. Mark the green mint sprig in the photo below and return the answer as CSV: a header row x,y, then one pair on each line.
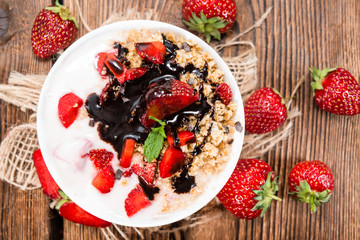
x,y
155,140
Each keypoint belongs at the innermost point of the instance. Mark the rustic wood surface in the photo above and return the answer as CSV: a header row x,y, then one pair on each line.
x,y
297,34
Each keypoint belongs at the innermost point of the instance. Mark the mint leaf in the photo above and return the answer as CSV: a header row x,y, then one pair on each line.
x,y
155,140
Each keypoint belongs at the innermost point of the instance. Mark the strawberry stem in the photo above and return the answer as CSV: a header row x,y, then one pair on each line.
x,y
318,76
266,194
306,195
63,12
209,27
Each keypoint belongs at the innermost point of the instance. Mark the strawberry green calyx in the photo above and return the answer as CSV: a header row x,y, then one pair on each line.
x,y
306,195
63,12
64,199
318,76
209,27
266,194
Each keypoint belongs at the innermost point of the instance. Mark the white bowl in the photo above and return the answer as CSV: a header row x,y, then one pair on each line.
x,y
73,69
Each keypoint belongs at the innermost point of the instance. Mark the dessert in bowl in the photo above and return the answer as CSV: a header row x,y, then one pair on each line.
x,y
137,124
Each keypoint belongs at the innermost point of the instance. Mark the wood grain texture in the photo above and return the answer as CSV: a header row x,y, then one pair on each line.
x,y
297,34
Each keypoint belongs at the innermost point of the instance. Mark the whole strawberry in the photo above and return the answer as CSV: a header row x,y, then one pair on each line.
x,y
210,17
250,189
265,111
54,29
311,182
336,91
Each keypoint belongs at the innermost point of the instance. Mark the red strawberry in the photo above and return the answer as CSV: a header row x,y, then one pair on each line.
x,y
185,137
134,73
224,93
136,201
145,170
336,91
311,182
104,180
54,29
172,161
115,67
127,152
167,98
72,212
100,63
68,108
210,17
151,51
265,111
48,184
250,189
101,158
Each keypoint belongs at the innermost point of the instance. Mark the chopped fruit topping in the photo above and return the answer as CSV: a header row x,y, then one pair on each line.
x,y
72,212
101,158
100,65
105,93
167,98
115,67
151,51
127,173
105,179
48,184
68,108
172,161
136,201
184,137
134,73
224,93
145,170
127,152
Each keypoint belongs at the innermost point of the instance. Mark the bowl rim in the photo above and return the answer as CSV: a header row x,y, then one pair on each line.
x,y
229,78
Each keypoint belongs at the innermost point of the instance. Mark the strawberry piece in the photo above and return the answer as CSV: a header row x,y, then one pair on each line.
x,y
172,161
136,201
167,98
336,91
145,170
115,67
74,213
100,158
68,108
185,137
100,64
105,179
127,152
224,93
311,182
265,111
250,189
209,17
48,184
151,51
134,73
53,29
127,173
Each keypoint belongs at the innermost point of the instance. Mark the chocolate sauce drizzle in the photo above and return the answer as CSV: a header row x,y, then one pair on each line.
x,y
118,114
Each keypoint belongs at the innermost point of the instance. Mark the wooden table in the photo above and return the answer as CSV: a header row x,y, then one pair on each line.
x,y
297,34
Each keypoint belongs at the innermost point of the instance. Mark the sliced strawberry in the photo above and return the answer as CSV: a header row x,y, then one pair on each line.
x,y
48,184
127,173
134,73
136,201
146,170
101,158
185,137
105,179
115,67
172,161
100,65
151,51
68,108
224,93
163,99
127,152
74,213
